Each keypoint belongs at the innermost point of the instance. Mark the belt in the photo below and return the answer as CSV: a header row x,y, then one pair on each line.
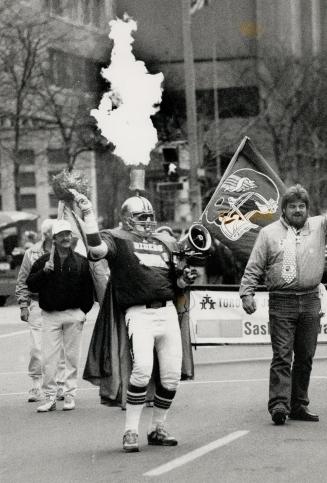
x,y
289,293
156,304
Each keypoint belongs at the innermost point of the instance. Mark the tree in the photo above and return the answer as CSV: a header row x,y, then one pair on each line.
x,y
290,126
70,119
292,118
22,44
30,102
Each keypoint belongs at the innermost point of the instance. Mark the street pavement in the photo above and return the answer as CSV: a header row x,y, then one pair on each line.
x,y
220,419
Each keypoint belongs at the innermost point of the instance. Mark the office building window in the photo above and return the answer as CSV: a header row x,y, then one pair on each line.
x,y
86,12
26,157
56,7
93,12
238,102
72,71
26,180
232,102
53,201
57,156
165,205
28,201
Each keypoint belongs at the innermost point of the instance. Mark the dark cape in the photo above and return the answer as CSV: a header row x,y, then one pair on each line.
x,y
108,364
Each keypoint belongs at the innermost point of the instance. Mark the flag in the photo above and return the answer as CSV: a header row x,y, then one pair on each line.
x,y
247,198
197,5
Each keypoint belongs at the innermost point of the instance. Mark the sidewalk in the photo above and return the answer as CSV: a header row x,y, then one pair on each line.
x,y
9,315
240,353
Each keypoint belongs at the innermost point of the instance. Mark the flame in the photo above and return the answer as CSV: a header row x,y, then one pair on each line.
x,y
123,115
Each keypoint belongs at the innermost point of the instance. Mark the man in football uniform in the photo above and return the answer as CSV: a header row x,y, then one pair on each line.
x,y
145,282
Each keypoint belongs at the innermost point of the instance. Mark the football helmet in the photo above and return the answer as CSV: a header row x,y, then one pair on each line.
x,y
137,215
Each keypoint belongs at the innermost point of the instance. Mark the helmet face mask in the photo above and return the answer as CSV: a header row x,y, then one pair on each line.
x,y
138,216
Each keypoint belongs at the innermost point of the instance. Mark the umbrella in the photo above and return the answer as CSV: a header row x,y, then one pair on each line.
x,y
11,218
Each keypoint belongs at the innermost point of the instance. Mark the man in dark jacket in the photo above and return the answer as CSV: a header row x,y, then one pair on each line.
x,y
65,290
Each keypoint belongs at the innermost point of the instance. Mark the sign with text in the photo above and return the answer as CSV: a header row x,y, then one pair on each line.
x,y
217,317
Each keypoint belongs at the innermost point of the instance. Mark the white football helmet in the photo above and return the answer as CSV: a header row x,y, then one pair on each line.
x,y
137,215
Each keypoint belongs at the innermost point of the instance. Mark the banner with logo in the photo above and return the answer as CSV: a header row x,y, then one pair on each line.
x,y
217,317
247,198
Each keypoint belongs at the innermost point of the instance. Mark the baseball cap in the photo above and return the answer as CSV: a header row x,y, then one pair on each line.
x,y
61,225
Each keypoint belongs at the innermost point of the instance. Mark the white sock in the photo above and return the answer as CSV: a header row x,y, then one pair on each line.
x,y
36,382
158,417
133,416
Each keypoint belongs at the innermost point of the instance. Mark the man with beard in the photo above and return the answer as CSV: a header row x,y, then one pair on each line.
x,y
144,282
289,253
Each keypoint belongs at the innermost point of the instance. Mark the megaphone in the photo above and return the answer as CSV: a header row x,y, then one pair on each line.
x,y
195,245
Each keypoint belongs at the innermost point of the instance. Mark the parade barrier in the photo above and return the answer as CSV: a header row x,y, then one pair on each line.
x,y
216,317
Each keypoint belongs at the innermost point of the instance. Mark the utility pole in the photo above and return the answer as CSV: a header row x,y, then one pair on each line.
x,y
215,96
191,115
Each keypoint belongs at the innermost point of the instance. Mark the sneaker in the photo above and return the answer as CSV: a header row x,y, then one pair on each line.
x,y
48,405
161,437
60,394
130,441
69,403
35,394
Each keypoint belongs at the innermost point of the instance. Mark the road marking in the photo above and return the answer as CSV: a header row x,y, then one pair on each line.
x,y
231,381
184,383
23,393
3,336
197,453
25,373
223,381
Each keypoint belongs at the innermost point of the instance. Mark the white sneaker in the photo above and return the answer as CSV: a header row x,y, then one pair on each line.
x,y
35,394
130,442
69,403
48,405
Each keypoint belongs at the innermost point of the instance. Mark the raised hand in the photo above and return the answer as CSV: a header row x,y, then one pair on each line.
x,y
82,201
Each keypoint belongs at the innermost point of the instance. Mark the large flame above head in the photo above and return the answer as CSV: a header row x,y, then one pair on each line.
x,y
123,115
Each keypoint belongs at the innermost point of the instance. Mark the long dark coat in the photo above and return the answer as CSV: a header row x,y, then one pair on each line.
x,y
109,364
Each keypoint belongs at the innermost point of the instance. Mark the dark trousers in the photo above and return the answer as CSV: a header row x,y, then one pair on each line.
x,y
294,324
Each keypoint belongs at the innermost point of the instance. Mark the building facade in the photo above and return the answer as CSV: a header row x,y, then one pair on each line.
x,y
227,36
75,41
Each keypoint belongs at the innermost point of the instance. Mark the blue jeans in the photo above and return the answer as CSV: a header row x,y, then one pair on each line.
x,y
294,325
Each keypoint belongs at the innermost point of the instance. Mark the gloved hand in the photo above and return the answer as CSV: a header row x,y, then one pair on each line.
x,y
82,201
249,304
188,276
24,314
49,266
